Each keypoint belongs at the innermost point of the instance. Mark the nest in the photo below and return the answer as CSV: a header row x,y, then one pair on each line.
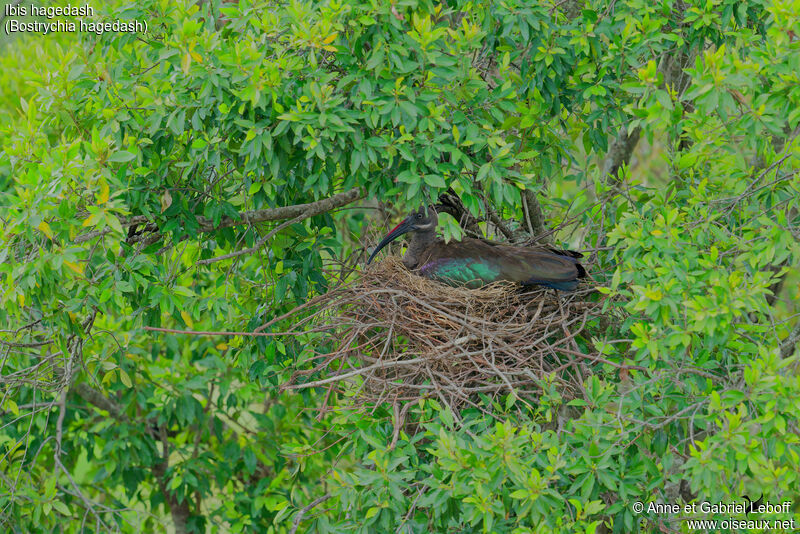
x,y
393,336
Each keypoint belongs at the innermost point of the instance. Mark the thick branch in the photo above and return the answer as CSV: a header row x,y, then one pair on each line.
x,y
787,346
451,204
179,510
95,398
534,216
284,212
251,217
619,154
499,223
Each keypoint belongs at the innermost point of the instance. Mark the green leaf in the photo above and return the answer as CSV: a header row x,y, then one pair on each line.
x,y
664,99
121,157
483,171
61,508
434,180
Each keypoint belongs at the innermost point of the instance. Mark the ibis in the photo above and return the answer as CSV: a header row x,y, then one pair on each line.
x,y
474,263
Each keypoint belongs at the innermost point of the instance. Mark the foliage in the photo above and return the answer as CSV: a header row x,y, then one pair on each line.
x,y
129,163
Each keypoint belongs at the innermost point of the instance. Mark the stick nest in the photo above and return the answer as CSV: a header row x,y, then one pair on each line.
x,y
393,336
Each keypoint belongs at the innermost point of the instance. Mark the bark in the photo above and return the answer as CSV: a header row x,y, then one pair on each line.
x,y
451,204
299,517
788,344
248,217
621,150
97,399
178,510
534,216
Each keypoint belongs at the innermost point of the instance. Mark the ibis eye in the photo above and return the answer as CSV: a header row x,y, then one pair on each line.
x,y
419,215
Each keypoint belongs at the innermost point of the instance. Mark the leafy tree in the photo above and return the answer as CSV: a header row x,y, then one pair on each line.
x,y
204,175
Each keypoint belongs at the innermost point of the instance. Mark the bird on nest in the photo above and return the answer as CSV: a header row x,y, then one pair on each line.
x,y
474,263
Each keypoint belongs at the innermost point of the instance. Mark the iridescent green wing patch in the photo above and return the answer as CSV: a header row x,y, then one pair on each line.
x,y
460,272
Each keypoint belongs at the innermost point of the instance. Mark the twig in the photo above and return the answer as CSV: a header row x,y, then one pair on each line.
x,y
62,406
86,502
258,245
411,509
27,345
751,185
362,370
211,333
299,517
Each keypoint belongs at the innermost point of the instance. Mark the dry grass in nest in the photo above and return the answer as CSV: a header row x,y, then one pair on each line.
x,y
398,337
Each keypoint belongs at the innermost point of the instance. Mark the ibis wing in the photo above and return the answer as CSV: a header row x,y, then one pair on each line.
x,y
474,263
540,266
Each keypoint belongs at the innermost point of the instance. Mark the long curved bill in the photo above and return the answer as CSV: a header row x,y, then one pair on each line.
x,y
397,231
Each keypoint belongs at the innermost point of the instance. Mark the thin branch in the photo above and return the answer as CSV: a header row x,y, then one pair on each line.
x,y
222,333
62,406
258,245
762,175
299,517
27,345
86,502
359,371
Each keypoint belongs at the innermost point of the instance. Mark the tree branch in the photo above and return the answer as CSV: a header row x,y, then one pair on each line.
x,y
97,399
258,245
620,152
451,204
499,223
249,217
787,345
299,517
534,216
179,510
622,148
284,212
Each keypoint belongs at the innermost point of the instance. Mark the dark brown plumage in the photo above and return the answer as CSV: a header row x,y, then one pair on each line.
x,y
474,263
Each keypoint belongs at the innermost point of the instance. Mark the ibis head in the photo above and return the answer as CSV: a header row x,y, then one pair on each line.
x,y
423,221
